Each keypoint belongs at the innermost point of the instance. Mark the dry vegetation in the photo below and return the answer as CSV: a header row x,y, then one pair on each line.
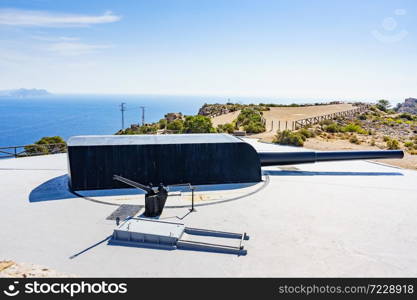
x,y
11,269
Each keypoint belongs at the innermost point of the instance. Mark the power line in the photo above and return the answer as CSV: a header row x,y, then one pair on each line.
x,y
143,115
123,109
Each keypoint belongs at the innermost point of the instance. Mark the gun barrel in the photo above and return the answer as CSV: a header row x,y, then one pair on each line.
x,y
289,158
133,183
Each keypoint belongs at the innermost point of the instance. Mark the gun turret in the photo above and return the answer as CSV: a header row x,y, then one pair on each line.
x,y
196,159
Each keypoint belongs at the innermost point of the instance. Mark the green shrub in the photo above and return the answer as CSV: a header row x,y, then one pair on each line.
x,y
386,138
326,122
227,128
307,133
162,123
383,105
251,120
409,144
288,137
406,116
344,136
254,127
47,145
198,124
333,127
136,129
50,140
247,115
354,140
148,128
176,125
393,144
351,127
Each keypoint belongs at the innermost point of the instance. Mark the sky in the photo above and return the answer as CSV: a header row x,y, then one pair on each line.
x,y
296,49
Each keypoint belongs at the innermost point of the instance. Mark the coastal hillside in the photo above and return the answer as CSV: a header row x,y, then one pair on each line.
x,y
379,127
337,126
257,120
276,116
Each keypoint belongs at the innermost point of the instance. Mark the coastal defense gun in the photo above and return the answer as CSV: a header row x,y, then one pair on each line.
x,y
154,200
196,159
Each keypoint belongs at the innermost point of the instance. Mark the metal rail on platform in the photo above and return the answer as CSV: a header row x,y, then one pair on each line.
x,y
32,150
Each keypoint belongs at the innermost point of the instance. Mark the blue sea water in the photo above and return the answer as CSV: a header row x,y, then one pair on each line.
x,y
26,120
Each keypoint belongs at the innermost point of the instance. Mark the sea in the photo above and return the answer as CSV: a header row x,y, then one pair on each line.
x,y
23,121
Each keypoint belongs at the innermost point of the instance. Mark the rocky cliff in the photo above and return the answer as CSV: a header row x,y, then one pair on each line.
x,y
409,106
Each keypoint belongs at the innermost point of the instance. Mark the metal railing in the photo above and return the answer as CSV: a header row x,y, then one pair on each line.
x,y
315,120
192,189
32,150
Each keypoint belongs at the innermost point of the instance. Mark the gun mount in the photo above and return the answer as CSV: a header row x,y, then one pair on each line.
x,y
154,200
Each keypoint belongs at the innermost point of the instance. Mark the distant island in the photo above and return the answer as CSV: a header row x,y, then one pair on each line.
x,y
23,93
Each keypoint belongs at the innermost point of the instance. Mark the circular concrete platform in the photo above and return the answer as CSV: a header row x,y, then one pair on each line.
x,y
179,197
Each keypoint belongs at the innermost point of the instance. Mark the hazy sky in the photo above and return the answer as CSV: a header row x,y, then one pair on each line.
x,y
292,49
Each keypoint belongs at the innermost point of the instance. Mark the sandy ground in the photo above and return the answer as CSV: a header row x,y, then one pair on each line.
x,y
226,118
295,113
408,162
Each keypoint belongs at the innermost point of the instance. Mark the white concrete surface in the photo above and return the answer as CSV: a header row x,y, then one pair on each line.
x,y
328,219
149,226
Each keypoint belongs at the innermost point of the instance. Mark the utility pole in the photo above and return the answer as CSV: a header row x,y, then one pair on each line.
x,y
143,115
123,109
